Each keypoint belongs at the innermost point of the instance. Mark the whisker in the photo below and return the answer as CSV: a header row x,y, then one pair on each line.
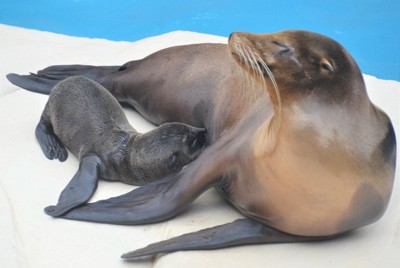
x,y
253,61
275,85
256,70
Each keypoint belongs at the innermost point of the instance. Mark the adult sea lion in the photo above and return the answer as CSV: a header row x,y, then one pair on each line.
x,y
297,146
84,117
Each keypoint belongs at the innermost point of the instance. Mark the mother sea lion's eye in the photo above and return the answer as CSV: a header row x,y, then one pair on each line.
x,y
283,48
326,65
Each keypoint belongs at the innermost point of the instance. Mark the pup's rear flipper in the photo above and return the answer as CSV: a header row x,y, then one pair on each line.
x,y
239,232
46,79
51,145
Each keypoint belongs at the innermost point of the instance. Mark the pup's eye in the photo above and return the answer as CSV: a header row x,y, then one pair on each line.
x,y
326,65
172,159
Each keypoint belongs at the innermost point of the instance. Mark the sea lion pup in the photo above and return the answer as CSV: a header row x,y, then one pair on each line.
x,y
84,117
298,147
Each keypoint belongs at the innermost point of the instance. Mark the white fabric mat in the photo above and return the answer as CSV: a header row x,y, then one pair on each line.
x,y
29,182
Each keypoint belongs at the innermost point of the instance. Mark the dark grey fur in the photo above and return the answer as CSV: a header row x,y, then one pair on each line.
x,y
84,117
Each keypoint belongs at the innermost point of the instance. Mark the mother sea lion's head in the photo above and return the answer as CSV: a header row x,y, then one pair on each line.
x,y
297,63
292,66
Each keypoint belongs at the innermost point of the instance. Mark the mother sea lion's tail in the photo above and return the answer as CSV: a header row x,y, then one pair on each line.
x,y
46,79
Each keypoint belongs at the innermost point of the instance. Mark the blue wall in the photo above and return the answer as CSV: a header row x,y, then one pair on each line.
x,y
369,29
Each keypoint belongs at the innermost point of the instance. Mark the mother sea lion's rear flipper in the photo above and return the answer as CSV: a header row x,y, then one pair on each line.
x,y
237,233
81,187
33,82
46,79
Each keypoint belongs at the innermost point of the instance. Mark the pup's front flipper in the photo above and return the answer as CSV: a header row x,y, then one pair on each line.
x,y
239,232
81,187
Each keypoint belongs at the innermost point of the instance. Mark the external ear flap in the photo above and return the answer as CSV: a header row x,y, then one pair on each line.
x,y
326,65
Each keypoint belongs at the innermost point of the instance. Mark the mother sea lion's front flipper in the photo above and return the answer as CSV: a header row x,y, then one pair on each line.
x,y
163,199
152,202
81,187
237,233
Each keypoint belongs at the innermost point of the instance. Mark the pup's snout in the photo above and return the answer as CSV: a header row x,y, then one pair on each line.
x,y
199,140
